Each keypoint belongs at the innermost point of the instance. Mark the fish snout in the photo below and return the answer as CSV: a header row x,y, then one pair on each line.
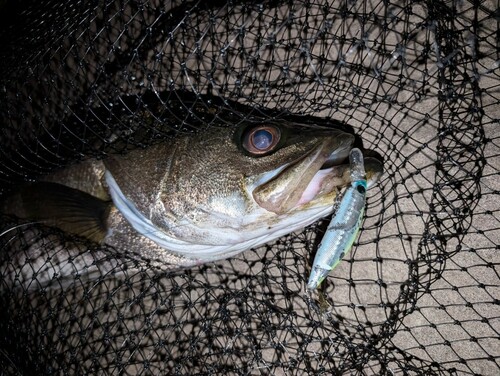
x,y
286,190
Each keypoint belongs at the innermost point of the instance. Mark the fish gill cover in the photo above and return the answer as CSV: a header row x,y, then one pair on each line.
x,y
418,82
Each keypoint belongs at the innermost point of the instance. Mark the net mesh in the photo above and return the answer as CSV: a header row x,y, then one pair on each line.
x,y
417,80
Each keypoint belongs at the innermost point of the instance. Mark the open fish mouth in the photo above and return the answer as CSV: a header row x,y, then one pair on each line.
x,y
331,176
324,182
316,175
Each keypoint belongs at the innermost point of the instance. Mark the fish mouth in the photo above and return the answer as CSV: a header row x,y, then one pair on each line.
x,y
317,175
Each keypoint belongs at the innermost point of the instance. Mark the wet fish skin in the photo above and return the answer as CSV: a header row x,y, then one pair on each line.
x,y
220,216
203,197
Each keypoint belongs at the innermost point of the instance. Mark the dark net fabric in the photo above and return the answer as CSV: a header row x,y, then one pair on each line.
x,y
419,83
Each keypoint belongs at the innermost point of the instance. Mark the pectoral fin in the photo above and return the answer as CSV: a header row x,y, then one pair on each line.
x,y
66,208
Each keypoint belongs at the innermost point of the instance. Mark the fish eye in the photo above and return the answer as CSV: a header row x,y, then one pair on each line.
x,y
261,140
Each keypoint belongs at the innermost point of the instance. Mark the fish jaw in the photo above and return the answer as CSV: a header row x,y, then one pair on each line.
x,y
299,183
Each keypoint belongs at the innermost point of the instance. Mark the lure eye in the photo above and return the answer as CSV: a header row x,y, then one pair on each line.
x,y
361,189
261,140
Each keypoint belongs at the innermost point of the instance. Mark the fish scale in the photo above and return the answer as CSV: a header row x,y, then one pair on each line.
x,y
200,197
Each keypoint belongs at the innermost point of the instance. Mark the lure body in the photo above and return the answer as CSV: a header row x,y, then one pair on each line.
x,y
345,225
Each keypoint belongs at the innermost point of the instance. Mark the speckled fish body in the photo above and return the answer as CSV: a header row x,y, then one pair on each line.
x,y
202,197
216,200
344,227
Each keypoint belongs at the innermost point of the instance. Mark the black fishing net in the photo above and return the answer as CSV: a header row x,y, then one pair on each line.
x,y
419,83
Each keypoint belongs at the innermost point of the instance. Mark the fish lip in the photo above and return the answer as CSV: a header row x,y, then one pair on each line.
x,y
319,184
326,180
337,157
302,176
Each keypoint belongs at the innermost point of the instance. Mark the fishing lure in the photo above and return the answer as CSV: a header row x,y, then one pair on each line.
x,y
345,225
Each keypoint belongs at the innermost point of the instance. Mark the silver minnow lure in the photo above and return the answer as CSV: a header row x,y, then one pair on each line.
x,y
344,227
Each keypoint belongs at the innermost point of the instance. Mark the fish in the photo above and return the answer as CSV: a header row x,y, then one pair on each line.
x,y
343,229
198,197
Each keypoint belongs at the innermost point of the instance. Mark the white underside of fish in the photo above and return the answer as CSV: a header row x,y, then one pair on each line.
x,y
218,242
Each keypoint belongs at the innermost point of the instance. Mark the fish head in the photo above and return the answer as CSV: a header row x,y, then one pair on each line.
x,y
300,171
216,193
